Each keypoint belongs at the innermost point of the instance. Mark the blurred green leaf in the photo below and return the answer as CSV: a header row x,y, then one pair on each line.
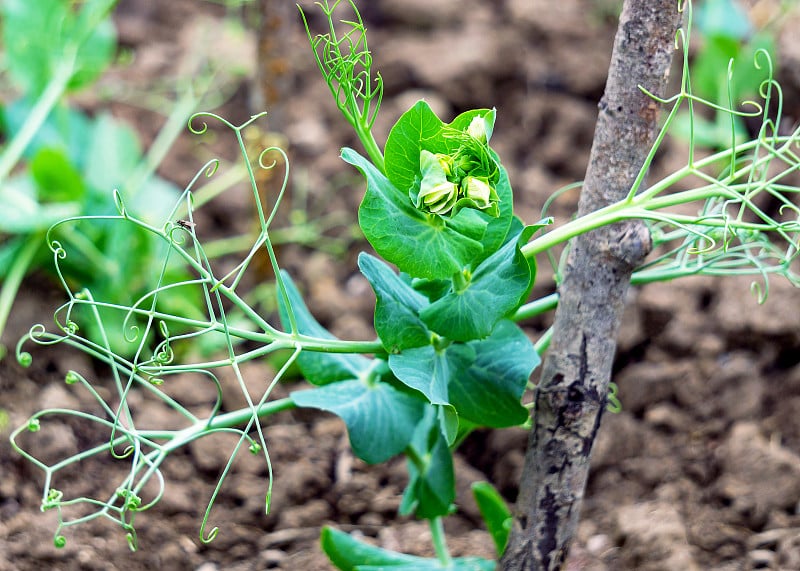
x,y
723,18
21,213
56,179
115,152
153,200
350,554
41,35
65,129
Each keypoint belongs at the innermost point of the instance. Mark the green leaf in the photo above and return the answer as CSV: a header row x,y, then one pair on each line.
x,y
462,121
488,392
497,288
318,368
115,153
380,419
66,129
470,223
431,487
495,512
448,423
482,380
430,370
422,245
420,129
432,289
397,308
40,36
56,179
416,127
350,554
20,213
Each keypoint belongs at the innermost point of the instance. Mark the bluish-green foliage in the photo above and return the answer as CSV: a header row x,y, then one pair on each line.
x,y
452,277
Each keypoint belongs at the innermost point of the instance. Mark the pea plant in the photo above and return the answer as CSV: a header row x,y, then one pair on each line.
x,y
452,279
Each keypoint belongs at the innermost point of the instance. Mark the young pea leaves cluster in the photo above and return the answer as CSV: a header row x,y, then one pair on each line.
x,y
448,368
464,179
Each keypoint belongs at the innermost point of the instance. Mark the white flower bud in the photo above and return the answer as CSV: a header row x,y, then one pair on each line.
x,y
477,129
478,190
441,198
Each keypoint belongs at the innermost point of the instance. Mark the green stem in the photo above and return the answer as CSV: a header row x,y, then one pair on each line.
x,y
376,370
414,457
19,268
241,416
370,145
228,420
543,344
536,307
440,542
639,208
38,115
591,221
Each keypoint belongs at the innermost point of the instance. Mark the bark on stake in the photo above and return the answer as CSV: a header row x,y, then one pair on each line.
x,y
573,390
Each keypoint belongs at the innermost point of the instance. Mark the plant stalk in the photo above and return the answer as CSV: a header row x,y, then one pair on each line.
x,y
38,115
440,542
231,419
8,293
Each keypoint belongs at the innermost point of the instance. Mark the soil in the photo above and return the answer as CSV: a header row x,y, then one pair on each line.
x,y
700,470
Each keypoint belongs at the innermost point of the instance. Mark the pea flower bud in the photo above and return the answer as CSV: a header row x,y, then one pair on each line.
x,y
441,198
478,190
437,194
477,129
446,162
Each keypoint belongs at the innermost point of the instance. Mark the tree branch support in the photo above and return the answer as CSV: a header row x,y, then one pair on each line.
x,y
572,394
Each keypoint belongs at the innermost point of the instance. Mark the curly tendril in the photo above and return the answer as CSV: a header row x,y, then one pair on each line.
x,y
58,249
148,367
204,125
274,162
131,332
